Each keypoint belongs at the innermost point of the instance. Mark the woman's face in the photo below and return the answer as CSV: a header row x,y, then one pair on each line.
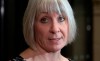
x,y
51,31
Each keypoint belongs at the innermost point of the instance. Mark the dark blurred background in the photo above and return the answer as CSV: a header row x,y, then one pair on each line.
x,y
84,48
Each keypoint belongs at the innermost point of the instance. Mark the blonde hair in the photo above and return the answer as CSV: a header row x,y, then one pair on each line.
x,y
35,7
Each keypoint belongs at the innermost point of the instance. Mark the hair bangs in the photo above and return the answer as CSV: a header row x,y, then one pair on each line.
x,y
50,6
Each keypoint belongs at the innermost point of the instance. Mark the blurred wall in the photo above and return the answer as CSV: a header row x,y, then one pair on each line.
x,y
96,31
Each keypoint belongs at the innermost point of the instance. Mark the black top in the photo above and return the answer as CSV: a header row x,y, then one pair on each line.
x,y
19,58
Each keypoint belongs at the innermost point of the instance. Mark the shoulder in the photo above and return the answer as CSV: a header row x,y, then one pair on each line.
x,y
70,59
28,53
66,59
20,57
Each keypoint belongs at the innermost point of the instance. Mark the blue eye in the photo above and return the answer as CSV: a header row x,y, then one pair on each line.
x,y
61,19
44,20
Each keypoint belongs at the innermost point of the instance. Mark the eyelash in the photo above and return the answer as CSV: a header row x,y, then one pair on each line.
x,y
46,19
61,19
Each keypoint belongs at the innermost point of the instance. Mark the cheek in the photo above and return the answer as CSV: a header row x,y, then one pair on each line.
x,y
41,36
65,32
41,33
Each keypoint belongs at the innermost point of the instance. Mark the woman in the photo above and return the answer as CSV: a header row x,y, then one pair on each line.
x,y
48,26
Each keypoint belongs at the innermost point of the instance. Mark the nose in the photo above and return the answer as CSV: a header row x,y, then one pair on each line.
x,y
54,28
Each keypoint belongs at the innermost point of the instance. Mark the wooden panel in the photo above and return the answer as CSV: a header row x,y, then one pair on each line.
x,y
96,33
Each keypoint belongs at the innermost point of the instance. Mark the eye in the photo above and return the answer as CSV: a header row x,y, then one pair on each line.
x,y
44,20
61,19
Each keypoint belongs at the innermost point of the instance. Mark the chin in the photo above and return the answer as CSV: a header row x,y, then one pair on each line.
x,y
56,48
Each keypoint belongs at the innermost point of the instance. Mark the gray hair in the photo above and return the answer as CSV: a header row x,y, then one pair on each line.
x,y
35,7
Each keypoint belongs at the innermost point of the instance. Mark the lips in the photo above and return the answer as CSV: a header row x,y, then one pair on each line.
x,y
55,41
54,38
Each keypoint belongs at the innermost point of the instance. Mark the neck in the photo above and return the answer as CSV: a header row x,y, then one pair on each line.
x,y
43,55
48,56
38,54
